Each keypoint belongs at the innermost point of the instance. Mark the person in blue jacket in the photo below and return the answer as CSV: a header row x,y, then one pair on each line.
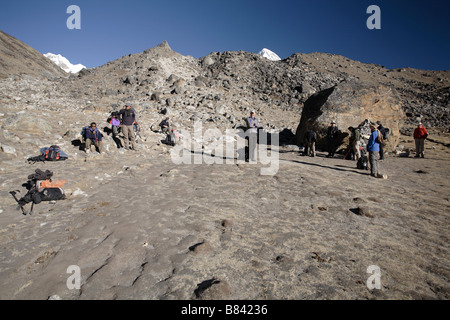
x,y
93,137
373,148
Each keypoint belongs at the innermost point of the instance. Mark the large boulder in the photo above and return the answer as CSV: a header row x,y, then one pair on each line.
x,y
350,103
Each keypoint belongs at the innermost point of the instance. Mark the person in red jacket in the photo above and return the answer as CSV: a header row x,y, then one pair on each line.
x,y
420,134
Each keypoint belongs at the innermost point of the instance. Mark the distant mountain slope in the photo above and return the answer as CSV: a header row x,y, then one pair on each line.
x,y
17,58
64,63
266,53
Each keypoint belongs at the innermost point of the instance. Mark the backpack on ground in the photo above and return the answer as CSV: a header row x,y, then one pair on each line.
x,y
363,162
84,132
172,139
52,153
36,193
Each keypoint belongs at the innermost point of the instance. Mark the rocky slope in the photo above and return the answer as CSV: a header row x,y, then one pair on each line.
x,y
18,58
140,226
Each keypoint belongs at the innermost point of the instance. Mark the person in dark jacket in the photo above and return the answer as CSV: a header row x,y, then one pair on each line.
x,y
93,137
165,126
332,139
355,142
381,129
309,141
128,119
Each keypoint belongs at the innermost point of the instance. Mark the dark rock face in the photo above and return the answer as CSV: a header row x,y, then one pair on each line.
x,y
350,103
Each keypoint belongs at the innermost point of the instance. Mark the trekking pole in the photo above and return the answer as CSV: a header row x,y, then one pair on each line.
x,y
13,193
349,149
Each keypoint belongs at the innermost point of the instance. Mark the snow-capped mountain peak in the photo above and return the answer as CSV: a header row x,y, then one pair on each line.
x,y
63,63
266,53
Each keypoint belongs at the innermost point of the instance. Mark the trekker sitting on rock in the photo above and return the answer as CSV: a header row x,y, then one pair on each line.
x,y
165,126
115,128
93,137
115,125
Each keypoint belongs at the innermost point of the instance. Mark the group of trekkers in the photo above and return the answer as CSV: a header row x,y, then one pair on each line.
x,y
124,122
378,136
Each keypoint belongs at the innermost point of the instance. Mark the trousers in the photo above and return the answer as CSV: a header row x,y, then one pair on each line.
x,y
128,135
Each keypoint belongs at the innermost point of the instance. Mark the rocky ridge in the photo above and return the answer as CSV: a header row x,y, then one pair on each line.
x,y
17,58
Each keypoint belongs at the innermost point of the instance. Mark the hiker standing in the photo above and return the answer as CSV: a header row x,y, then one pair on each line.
x,y
309,140
332,139
165,126
373,147
252,132
128,119
355,142
420,134
381,129
93,137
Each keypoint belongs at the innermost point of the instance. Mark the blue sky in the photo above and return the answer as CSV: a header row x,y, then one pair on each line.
x,y
413,33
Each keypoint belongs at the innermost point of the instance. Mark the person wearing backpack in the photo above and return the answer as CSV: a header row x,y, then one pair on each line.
x,y
419,135
93,137
128,119
355,142
309,140
165,126
332,139
384,132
